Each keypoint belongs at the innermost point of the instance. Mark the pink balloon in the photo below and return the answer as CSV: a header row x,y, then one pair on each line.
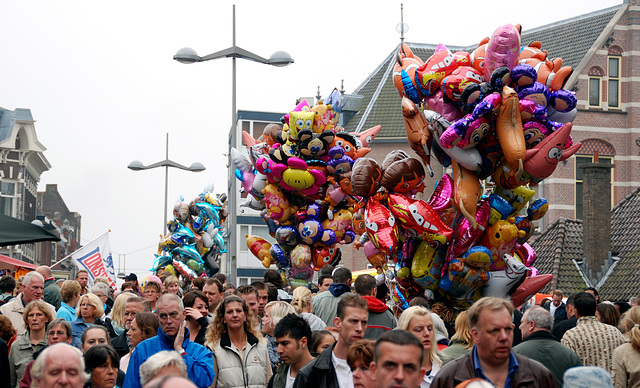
x,y
527,254
465,236
448,110
503,49
442,195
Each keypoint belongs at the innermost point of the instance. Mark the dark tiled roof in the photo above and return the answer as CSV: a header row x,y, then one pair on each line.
x,y
556,247
562,241
569,39
624,280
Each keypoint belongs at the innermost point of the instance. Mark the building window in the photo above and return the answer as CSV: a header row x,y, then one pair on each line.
x,y
594,91
254,230
613,85
595,86
584,159
7,198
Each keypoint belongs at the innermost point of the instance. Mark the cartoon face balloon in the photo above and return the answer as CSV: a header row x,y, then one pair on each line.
x,y
403,176
298,121
310,231
325,255
419,219
366,175
501,238
381,226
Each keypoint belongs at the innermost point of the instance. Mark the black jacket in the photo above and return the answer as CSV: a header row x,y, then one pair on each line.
x,y
4,365
319,372
120,344
559,315
562,327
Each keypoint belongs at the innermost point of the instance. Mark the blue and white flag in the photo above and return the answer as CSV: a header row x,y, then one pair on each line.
x,y
96,259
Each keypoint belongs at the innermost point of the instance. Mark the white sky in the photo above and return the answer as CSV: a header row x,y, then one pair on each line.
x,y
103,88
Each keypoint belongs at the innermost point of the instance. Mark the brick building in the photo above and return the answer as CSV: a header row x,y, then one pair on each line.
x,y
67,225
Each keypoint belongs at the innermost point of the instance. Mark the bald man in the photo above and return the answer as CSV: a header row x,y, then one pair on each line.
x,y
51,289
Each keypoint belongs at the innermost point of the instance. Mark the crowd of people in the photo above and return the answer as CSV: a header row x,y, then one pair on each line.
x,y
338,333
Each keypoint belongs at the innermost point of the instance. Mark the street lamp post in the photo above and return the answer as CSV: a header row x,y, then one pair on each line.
x,y
279,59
136,165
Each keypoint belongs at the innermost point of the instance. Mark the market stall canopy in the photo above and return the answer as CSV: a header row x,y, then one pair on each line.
x,y
14,231
15,262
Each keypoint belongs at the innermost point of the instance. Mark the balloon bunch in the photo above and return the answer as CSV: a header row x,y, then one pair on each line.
x,y
299,176
500,113
194,242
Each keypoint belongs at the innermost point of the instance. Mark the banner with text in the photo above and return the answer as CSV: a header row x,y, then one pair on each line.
x,y
96,259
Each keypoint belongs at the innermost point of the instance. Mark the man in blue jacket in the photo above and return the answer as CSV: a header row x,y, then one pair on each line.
x,y
172,335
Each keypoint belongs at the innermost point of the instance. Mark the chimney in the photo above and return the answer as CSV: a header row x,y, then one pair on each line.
x,y
596,216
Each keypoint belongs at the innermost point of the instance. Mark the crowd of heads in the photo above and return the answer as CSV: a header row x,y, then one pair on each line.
x,y
402,355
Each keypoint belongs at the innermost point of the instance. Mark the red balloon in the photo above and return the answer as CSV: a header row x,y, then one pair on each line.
x,y
418,218
381,226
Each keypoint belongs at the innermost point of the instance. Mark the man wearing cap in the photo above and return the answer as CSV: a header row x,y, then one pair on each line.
x,y
133,278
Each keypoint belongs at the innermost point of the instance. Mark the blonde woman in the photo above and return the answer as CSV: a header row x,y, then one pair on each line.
x,y
302,303
273,313
116,323
89,311
233,339
172,284
417,320
461,342
626,357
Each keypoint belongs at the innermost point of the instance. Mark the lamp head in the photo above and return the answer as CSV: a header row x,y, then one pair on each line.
x,y
197,167
136,165
187,55
280,59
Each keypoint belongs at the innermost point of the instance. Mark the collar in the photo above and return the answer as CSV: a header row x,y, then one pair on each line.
x,y
375,305
164,337
225,341
540,334
337,289
586,320
513,367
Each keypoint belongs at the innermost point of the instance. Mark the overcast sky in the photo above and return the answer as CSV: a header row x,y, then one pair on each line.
x,y
103,88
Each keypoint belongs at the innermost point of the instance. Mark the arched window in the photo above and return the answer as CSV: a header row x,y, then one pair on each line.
x,y
595,81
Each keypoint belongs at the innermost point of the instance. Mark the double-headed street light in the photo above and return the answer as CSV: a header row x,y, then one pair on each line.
x,y
188,55
136,165
279,59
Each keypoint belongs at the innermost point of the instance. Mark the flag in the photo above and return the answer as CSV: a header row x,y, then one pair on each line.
x,y
96,259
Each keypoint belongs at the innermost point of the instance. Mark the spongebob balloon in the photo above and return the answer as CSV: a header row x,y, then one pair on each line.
x,y
299,120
